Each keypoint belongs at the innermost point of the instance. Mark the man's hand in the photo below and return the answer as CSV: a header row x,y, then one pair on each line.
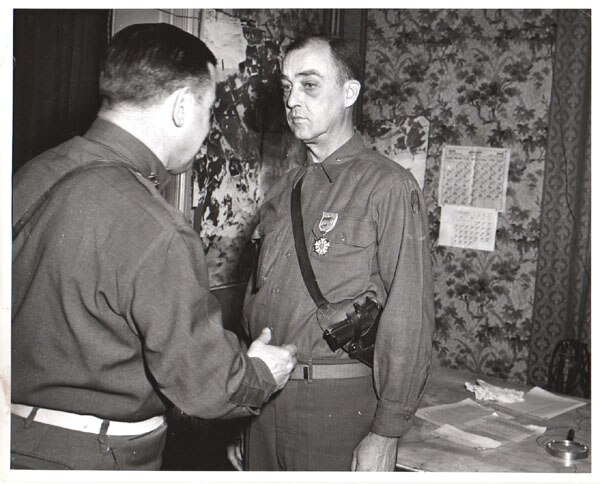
x,y
375,453
280,359
235,452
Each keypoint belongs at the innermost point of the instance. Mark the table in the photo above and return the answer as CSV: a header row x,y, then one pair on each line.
x,y
421,450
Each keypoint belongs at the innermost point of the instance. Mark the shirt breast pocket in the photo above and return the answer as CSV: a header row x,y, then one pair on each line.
x,y
344,271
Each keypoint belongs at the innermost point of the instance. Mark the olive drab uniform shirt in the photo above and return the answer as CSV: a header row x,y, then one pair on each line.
x,y
372,215
111,310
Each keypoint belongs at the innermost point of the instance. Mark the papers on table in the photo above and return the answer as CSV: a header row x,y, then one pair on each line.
x,y
542,404
477,426
473,425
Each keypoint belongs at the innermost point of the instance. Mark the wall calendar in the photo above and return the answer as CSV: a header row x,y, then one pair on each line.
x,y
472,191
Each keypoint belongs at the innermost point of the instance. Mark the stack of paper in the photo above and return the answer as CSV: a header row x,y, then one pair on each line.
x,y
543,404
472,425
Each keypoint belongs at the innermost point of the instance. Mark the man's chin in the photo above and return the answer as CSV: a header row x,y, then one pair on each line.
x,y
303,135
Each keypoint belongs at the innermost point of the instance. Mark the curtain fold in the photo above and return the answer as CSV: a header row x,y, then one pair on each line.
x,y
561,311
55,81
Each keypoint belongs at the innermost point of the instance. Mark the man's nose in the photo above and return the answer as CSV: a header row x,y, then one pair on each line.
x,y
293,98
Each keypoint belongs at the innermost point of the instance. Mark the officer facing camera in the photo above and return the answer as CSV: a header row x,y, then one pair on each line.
x,y
344,274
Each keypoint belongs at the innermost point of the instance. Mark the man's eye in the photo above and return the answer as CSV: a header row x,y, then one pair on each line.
x,y
285,88
309,85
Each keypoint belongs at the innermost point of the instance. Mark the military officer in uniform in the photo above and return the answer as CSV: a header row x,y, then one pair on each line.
x,y
363,222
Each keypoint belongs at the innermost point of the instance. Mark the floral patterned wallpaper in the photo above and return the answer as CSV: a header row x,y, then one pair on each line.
x,y
478,77
481,77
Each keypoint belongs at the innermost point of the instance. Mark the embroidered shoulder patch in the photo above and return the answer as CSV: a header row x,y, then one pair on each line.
x,y
414,201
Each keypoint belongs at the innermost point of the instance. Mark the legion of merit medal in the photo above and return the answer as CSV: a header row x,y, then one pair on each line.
x,y
326,224
322,245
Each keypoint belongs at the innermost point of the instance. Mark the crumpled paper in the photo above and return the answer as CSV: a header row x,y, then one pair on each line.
x,y
487,391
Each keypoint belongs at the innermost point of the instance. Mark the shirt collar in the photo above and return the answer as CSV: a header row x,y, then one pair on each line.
x,y
336,161
129,149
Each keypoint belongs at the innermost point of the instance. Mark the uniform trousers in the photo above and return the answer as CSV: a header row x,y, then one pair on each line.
x,y
36,445
311,426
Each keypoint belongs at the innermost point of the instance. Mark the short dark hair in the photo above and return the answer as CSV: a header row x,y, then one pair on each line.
x,y
147,62
344,54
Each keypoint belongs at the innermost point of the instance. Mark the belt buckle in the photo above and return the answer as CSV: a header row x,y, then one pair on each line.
x,y
307,371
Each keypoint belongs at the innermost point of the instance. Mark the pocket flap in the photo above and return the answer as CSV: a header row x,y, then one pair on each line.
x,y
348,231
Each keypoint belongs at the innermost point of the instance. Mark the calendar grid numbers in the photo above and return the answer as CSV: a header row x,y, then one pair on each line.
x,y
468,227
474,176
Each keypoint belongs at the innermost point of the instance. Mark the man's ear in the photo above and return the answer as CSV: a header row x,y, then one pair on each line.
x,y
351,92
179,99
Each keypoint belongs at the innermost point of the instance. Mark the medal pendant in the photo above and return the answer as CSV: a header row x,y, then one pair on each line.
x,y
322,245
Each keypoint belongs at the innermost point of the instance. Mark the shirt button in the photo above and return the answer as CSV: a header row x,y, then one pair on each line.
x,y
288,253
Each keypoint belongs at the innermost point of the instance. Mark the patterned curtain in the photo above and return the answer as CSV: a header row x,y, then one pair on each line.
x,y
560,337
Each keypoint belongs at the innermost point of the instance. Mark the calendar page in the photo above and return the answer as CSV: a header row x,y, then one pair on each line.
x,y
474,176
468,227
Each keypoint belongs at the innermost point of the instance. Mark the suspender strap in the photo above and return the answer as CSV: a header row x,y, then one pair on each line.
x,y
306,269
18,226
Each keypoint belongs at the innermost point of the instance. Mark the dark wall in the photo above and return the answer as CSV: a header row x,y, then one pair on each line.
x,y
55,77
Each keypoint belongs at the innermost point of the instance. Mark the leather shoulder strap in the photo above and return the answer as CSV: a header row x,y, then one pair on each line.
x,y
20,224
306,269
